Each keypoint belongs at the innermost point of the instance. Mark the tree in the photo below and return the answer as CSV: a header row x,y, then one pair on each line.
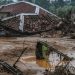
x,y
62,11
60,2
73,2
5,1
33,1
43,3
52,9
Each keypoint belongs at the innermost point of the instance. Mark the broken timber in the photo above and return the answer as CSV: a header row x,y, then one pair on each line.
x,y
9,68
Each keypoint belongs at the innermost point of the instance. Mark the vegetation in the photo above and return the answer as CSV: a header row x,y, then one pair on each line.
x,y
5,1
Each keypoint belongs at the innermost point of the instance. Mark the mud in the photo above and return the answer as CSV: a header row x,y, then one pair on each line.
x,y
10,49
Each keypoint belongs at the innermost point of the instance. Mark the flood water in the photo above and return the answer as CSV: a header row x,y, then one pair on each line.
x,y
11,48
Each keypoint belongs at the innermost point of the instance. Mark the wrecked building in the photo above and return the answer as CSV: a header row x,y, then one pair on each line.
x,y
27,17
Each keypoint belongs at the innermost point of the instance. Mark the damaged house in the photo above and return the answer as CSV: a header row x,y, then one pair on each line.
x,y
26,18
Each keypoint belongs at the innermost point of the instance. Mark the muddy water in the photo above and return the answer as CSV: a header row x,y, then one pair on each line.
x,y
54,59
11,48
71,54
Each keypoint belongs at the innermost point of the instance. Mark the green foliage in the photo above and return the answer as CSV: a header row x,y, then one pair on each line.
x,y
30,0
73,3
52,9
43,3
61,8
63,11
2,2
61,2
